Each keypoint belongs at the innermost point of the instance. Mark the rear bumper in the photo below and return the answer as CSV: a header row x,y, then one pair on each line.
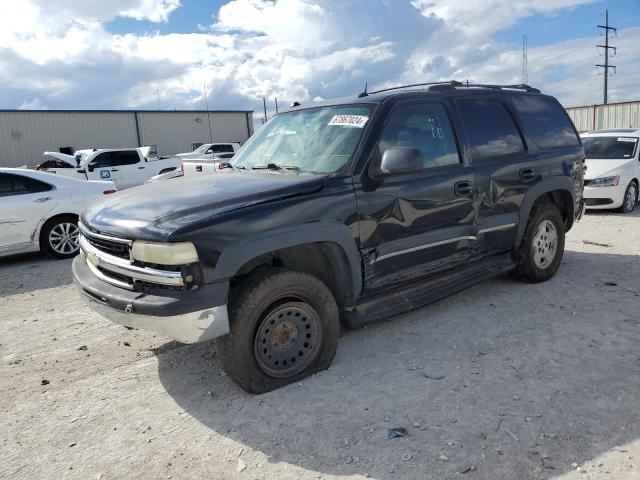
x,y
189,317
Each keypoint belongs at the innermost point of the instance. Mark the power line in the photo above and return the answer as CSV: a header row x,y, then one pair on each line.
x,y
606,47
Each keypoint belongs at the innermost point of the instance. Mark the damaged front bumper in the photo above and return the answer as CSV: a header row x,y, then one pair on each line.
x,y
188,317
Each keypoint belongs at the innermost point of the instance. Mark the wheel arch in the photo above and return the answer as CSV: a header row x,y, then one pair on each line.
x,y
324,249
556,190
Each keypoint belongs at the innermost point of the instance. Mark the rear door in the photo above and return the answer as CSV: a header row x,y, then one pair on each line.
x,y
503,166
24,202
131,168
418,224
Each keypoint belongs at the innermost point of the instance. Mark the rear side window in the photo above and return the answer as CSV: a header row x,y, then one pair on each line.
x,y
490,128
127,158
222,148
18,185
545,121
425,127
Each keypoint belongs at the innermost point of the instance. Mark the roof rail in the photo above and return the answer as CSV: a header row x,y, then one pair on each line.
x,y
520,86
448,83
451,84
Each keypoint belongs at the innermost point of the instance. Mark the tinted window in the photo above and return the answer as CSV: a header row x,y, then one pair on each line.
x,y
127,158
490,128
104,160
545,121
18,185
222,148
425,127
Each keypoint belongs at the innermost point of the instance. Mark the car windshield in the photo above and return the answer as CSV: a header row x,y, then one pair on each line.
x,y
316,140
202,148
610,148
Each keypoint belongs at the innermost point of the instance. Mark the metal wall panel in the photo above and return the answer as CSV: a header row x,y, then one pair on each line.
x,y
25,135
612,115
176,132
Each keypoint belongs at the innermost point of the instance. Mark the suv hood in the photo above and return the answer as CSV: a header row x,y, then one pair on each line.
x,y
155,211
597,168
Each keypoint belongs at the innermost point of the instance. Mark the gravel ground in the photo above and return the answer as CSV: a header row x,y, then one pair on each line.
x,y
503,381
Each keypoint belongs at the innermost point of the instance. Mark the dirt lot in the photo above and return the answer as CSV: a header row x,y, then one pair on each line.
x,y
505,380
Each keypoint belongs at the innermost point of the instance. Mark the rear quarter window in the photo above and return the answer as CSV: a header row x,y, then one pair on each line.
x,y
545,121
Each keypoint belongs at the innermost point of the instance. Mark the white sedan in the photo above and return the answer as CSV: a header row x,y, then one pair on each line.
x,y
613,169
39,211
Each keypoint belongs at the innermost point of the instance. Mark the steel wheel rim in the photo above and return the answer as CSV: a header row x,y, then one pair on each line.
x,y
545,244
288,339
63,238
631,198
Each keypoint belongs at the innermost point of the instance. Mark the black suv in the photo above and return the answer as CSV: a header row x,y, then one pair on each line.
x,y
342,212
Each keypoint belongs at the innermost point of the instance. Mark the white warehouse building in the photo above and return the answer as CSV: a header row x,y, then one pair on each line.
x,y
26,134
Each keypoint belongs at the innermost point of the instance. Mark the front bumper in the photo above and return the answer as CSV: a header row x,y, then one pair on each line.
x,y
604,197
189,317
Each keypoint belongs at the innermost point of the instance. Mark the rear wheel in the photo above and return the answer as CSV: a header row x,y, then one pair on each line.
x,y
284,327
540,252
59,237
630,198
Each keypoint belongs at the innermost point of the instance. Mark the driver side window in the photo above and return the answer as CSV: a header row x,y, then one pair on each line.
x,y
425,127
104,160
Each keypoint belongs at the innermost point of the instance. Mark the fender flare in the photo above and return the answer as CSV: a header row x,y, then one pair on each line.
x,y
235,256
536,191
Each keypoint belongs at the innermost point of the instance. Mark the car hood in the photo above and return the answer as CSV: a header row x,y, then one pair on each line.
x,y
597,168
156,211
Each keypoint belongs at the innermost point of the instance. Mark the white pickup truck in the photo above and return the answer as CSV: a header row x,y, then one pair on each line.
x,y
124,167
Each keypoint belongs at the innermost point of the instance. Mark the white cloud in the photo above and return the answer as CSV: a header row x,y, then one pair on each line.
x,y
61,54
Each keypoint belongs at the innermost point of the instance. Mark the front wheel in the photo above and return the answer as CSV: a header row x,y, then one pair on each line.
x,y
540,252
59,237
630,197
284,327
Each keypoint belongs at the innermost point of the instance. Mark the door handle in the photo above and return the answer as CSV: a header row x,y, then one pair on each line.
x,y
140,168
464,188
42,199
527,174
114,169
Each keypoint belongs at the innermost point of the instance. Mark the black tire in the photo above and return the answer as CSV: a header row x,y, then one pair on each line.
x,y
60,224
628,204
254,306
528,269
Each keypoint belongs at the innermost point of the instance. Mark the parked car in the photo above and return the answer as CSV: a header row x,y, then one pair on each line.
x,y
613,169
346,211
126,167
210,150
219,162
39,211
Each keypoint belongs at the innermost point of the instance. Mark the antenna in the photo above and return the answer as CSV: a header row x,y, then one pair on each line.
x,y
525,74
158,97
364,94
264,104
276,105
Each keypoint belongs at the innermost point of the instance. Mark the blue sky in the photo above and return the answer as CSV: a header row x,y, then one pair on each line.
x,y
127,53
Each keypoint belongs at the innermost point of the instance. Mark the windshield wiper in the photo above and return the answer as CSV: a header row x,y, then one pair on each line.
x,y
273,166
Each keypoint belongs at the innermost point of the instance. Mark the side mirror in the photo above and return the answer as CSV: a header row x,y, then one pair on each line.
x,y
81,170
91,167
400,161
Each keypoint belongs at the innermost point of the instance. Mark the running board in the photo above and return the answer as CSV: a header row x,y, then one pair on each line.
x,y
418,294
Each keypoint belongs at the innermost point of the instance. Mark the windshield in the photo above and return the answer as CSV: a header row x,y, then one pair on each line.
x,y
610,147
317,140
202,148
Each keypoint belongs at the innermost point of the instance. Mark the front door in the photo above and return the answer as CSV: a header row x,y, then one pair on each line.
x,y
415,225
105,167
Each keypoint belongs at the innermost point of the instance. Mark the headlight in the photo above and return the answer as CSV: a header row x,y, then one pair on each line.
x,y
605,181
179,253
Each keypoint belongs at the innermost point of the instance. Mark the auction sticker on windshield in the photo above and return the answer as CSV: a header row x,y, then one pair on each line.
x,y
356,121
627,139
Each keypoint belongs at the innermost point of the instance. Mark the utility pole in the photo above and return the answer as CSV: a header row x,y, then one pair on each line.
x,y
525,74
606,47
276,105
206,102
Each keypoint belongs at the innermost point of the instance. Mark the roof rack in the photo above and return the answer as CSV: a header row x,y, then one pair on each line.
x,y
452,84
